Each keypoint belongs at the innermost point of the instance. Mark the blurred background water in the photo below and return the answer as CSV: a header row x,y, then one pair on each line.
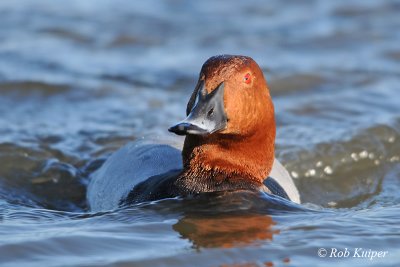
x,y
79,79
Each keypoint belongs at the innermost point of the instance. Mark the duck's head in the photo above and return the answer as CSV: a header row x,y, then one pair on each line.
x,y
230,123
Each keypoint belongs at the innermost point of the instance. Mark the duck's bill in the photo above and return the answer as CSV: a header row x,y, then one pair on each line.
x,y
207,116
184,128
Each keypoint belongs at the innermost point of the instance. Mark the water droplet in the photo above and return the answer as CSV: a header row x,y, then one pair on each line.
x,y
377,162
394,158
310,173
363,154
294,174
332,204
328,170
354,156
319,164
391,139
371,155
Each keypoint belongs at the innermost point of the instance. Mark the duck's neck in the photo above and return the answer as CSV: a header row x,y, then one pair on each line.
x,y
219,163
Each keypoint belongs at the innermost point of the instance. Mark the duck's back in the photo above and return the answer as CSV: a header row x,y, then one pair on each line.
x,y
130,165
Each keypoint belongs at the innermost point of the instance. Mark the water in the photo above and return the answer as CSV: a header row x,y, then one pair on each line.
x,y
80,79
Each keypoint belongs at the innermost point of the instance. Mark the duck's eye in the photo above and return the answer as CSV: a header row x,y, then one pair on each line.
x,y
247,78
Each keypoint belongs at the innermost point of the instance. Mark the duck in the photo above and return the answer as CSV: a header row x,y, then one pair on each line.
x,y
229,145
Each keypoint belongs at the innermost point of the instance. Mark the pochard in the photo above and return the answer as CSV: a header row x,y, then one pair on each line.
x,y
229,145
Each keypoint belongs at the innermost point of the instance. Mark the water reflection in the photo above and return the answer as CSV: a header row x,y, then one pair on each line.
x,y
226,231
224,219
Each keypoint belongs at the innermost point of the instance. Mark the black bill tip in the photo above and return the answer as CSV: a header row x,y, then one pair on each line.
x,y
185,128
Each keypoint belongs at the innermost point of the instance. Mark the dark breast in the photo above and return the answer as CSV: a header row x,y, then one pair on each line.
x,y
155,188
165,186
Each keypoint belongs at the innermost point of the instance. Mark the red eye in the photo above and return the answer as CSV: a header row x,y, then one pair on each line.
x,y
247,78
